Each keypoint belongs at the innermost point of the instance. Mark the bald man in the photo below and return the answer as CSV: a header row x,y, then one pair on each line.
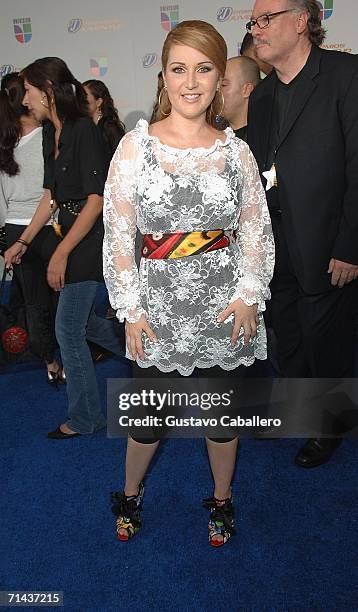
x,y
241,77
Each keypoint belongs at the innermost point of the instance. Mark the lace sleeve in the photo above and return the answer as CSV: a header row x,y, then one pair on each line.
x,y
119,217
254,236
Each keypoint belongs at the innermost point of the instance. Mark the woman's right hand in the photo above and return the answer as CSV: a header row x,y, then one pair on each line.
x,y
134,333
14,254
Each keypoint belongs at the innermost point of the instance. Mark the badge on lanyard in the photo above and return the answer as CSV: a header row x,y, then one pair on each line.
x,y
56,226
271,177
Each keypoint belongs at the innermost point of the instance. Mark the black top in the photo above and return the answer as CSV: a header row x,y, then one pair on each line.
x,y
283,97
284,94
241,133
77,172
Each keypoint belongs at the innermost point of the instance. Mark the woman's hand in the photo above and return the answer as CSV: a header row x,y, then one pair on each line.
x,y
134,333
245,316
14,254
56,270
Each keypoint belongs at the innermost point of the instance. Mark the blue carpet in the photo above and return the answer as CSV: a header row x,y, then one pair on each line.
x,y
296,547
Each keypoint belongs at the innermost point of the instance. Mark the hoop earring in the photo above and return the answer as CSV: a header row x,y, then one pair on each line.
x,y
160,102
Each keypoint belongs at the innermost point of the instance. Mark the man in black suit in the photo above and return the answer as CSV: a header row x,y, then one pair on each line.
x,y
303,131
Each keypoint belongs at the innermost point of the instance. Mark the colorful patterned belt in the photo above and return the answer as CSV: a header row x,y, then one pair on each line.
x,y
184,244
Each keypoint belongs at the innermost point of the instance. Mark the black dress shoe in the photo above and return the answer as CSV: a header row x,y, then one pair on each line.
x,y
58,434
316,451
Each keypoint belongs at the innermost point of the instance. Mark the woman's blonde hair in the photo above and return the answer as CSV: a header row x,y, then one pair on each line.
x,y
203,37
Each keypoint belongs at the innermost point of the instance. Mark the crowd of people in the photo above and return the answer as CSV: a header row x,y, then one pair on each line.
x,y
231,168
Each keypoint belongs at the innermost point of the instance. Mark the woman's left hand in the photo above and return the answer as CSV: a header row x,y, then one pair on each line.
x,y
14,254
245,316
56,270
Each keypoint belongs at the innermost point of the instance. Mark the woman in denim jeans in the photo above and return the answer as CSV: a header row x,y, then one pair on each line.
x,y
73,182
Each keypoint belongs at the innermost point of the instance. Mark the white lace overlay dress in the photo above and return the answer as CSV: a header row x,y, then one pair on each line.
x,y
161,189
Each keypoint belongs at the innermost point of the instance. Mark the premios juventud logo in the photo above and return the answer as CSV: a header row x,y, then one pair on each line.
x,y
22,29
74,25
228,13
150,59
224,13
169,17
6,69
326,9
84,25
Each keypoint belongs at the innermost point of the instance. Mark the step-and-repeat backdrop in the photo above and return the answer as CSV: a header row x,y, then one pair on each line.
x,y
120,41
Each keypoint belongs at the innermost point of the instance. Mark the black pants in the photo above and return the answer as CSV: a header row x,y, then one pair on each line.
x,y
153,372
29,285
315,333
314,339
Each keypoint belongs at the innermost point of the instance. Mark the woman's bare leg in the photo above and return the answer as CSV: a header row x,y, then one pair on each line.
x,y
138,459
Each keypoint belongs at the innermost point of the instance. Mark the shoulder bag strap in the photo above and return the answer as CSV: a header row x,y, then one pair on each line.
x,y
2,285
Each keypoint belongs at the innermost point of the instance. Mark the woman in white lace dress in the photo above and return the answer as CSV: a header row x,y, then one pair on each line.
x,y
196,303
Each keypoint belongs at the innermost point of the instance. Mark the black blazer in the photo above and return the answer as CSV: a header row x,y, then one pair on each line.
x,y
316,163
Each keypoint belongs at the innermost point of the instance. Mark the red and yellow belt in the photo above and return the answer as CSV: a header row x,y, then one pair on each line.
x,y
184,244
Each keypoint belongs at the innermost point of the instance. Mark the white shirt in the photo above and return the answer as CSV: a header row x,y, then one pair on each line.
x,y
20,194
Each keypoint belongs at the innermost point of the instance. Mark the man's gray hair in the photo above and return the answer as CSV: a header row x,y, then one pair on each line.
x,y
316,32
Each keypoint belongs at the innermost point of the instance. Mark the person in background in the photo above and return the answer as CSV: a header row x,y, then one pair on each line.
x,y
241,77
21,189
309,167
104,114
248,50
73,182
195,305
155,116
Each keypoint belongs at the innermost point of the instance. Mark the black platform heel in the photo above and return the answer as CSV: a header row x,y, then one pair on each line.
x,y
221,522
127,510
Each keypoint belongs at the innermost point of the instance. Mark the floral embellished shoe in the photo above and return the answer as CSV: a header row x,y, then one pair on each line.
x,y
127,510
221,522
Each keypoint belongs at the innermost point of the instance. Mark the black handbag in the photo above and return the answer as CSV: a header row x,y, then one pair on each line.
x,y
14,338
24,330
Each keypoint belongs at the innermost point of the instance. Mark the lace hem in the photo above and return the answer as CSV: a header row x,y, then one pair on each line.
x,y
200,364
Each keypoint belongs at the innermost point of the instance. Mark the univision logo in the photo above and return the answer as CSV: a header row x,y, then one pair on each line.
x,y
169,17
74,25
224,13
99,66
326,9
149,60
6,69
22,29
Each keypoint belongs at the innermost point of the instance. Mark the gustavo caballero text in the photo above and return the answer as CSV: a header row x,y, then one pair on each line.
x,y
174,421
